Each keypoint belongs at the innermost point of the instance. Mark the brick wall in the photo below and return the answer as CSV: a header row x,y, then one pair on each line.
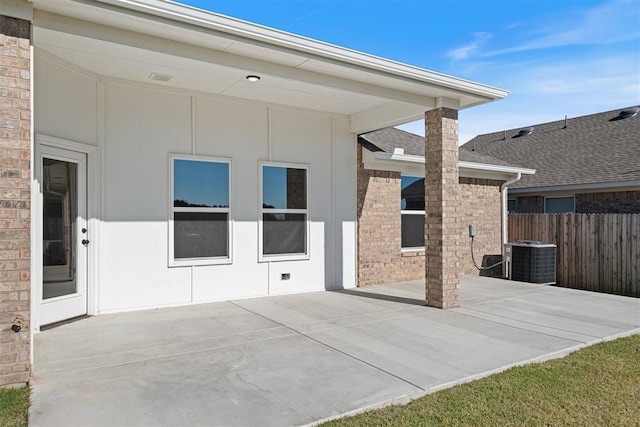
x,y
479,205
15,143
610,202
296,188
380,258
379,255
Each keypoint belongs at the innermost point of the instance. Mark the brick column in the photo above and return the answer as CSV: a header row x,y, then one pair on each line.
x,y
15,175
441,208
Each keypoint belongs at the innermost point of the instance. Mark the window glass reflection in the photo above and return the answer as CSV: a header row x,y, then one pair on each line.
x,y
412,193
284,188
200,184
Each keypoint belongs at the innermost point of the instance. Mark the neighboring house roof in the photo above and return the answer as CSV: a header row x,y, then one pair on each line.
x,y
388,139
598,150
197,50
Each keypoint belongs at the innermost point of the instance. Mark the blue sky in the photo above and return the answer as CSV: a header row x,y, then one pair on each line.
x,y
555,57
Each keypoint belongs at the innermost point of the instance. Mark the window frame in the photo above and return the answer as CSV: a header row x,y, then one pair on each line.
x,y
189,262
410,212
515,205
261,211
573,197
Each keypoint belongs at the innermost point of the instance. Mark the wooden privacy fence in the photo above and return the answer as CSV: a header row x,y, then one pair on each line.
x,y
596,252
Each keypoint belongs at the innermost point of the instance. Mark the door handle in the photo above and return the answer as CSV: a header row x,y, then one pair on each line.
x,y
85,242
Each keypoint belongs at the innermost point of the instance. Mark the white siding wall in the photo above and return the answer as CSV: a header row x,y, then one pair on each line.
x,y
137,128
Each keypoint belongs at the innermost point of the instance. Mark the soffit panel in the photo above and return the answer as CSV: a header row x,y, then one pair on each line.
x,y
103,57
292,97
400,84
139,71
264,54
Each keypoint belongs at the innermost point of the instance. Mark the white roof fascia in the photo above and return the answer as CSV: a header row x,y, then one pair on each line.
x,y
409,163
496,168
594,186
190,15
410,158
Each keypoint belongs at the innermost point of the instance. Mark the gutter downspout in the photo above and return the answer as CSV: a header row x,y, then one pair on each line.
x,y
503,218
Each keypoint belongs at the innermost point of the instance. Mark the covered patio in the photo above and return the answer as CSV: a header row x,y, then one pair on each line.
x,y
297,359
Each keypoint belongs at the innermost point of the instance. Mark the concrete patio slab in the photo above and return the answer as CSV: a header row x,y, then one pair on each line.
x,y
297,359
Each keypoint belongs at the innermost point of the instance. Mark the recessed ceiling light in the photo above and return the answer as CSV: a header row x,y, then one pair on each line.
x,y
253,78
160,77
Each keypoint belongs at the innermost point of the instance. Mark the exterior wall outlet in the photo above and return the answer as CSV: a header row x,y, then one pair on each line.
x,y
285,276
472,230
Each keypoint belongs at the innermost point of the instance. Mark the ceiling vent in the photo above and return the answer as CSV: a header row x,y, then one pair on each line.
x,y
626,114
523,132
160,77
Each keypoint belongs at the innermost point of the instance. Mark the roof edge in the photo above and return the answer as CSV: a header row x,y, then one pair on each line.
x,y
486,167
243,29
591,186
496,168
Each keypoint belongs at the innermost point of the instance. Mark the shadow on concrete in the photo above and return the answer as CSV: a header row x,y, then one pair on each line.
x,y
384,297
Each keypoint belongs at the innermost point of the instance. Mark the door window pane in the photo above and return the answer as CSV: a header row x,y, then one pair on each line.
x,y
60,212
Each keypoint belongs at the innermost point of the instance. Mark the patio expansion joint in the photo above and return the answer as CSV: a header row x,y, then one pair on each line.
x,y
487,317
377,368
159,357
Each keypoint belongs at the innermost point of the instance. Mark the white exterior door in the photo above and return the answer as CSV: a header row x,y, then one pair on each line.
x,y
65,236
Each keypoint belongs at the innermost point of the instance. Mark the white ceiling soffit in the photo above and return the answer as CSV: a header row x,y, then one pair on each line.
x,y
213,53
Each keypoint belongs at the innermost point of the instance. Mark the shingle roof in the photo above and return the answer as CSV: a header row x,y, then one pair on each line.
x,y
597,148
389,138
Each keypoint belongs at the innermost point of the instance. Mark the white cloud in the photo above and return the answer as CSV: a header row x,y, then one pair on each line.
x,y
612,22
464,52
549,89
602,74
592,75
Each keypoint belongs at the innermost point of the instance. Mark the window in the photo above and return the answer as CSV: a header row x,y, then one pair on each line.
x,y
412,211
200,222
511,206
559,205
284,211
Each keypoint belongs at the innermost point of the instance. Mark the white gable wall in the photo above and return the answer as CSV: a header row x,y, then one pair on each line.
x,y
138,127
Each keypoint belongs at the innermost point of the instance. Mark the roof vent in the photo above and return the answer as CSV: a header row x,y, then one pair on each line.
x,y
626,114
523,132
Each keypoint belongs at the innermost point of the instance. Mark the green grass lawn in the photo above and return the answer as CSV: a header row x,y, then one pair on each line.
x,y
14,405
596,386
